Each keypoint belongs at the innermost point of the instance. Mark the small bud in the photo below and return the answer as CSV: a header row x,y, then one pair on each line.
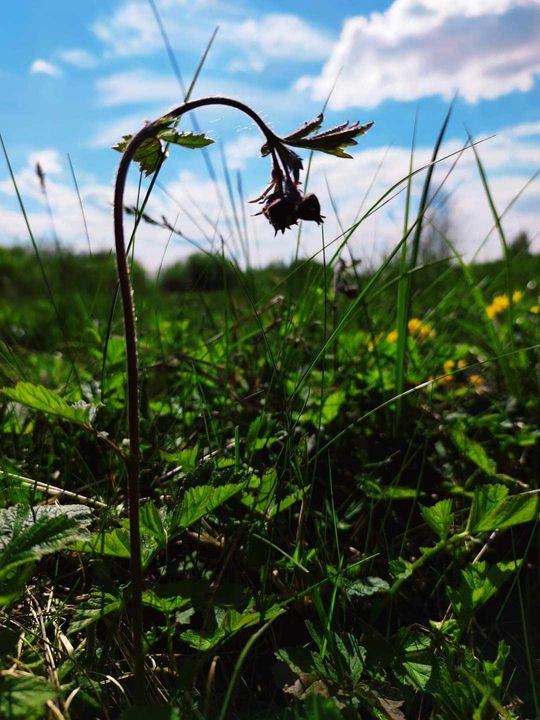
x,y
309,208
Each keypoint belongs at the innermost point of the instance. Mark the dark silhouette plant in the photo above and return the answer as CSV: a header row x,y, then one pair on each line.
x,y
283,205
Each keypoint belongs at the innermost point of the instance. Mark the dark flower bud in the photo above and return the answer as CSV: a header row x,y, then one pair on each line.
x,y
309,209
280,212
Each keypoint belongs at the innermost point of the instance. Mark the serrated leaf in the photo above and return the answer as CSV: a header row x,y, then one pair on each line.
x,y
416,658
479,582
439,517
400,568
334,140
41,398
190,140
510,511
176,595
305,129
90,611
114,543
365,587
230,623
200,501
153,522
486,498
27,534
24,697
149,155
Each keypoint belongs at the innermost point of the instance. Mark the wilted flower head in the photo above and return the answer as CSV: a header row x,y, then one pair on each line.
x,y
284,203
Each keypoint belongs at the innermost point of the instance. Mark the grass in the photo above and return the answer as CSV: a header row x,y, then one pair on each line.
x,y
339,488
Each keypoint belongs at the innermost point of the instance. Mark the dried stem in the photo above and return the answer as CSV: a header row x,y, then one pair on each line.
x,y
133,459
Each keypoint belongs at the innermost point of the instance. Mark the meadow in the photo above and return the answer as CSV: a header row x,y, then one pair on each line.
x,y
338,472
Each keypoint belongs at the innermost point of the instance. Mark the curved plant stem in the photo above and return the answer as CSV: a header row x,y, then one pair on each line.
x,y
133,459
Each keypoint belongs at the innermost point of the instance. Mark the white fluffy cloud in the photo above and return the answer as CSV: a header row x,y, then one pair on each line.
x,y
137,87
416,48
278,36
43,67
132,30
78,57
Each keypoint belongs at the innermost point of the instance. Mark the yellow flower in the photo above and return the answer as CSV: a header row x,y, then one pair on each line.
x,y
535,310
417,327
499,305
461,363
449,365
446,379
392,336
517,295
476,379
426,331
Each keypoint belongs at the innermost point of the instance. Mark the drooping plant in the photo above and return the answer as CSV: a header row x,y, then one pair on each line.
x,y
284,205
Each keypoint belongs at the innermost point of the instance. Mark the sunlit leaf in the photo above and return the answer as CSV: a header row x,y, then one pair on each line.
x,y
510,511
200,501
334,141
479,582
41,398
439,517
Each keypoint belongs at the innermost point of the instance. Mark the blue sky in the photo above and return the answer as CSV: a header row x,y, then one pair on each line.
x,y
76,75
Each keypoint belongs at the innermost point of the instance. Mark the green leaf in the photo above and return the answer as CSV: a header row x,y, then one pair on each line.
x,y
153,522
400,568
332,406
439,517
151,152
334,140
149,155
41,398
200,501
474,452
27,534
479,582
365,587
306,129
98,605
506,513
174,596
24,697
228,625
415,658
190,140
486,498
114,543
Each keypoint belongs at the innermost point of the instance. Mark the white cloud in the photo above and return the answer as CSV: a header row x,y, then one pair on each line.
x,y
130,30
44,67
254,41
416,48
78,57
138,87
244,148
49,160
274,37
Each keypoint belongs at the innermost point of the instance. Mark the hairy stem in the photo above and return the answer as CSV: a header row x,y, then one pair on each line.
x,y
130,331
